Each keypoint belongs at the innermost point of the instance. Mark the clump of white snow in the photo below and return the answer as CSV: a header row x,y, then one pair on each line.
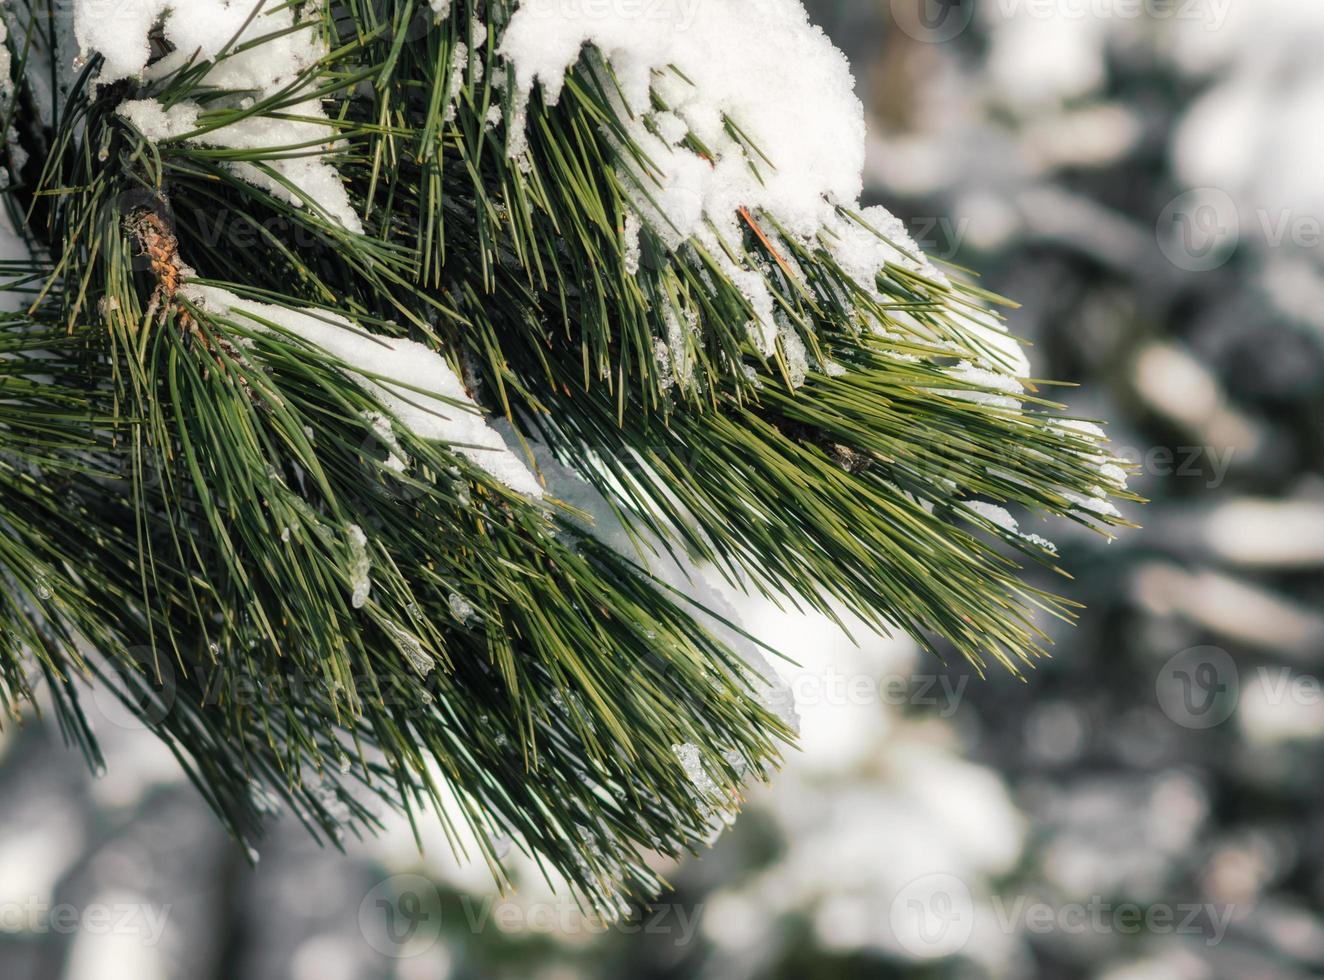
x,y
1001,518
17,155
995,515
762,89
862,247
156,122
744,110
718,808
759,63
461,608
273,69
1005,390
793,351
1112,477
412,381
397,461
1000,350
360,567
630,237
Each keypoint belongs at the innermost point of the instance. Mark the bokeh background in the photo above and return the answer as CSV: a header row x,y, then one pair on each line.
x,y
1146,178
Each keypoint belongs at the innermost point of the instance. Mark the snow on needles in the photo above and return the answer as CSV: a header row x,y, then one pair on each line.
x,y
758,62
761,89
735,74
770,99
289,48
412,381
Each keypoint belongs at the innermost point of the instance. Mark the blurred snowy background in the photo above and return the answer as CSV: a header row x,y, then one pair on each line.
x,y
1147,178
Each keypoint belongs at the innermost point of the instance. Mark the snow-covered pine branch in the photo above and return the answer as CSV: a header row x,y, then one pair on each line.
x,y
438,352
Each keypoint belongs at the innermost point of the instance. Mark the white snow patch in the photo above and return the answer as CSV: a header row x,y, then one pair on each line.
x,y
1114,477
796,149
360,567
461,608
863,247
997,381
201,29
1001,518
1000,350
17,155
413,382
793,350
758,62
156,122
630,237
397,461
995,515
720,810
